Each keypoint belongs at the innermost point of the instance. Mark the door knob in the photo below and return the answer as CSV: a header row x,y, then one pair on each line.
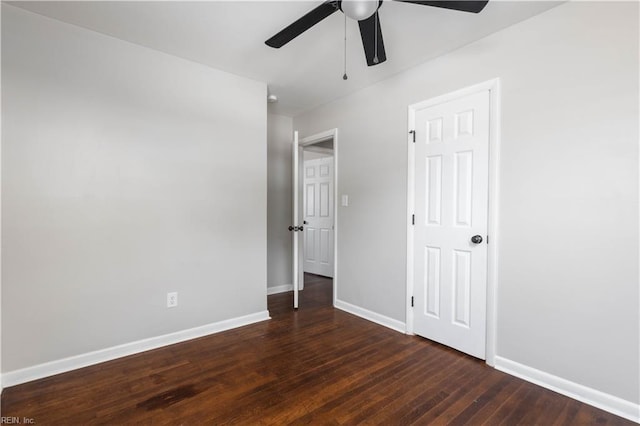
x,y
476,239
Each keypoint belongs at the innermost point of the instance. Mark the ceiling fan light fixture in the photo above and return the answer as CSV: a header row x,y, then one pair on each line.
x,y
359,9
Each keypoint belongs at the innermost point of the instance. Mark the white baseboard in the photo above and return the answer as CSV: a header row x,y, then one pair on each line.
x,y
279,289
40,371
604,401
371,316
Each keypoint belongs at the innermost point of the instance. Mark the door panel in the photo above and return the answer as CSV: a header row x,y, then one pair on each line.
x,y
463,173
326,249
434,189
451,206
324,210
310,199
432,281
461,287
310,244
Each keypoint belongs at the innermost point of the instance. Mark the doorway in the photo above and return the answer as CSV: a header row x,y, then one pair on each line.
x,y
316,182
317,209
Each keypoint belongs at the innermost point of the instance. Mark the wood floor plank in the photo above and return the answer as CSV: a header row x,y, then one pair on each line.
x,y
316,365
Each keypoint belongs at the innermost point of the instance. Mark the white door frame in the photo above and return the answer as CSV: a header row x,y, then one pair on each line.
x,y
493,86
306,142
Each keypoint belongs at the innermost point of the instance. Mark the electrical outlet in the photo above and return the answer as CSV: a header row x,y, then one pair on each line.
x,y
172,299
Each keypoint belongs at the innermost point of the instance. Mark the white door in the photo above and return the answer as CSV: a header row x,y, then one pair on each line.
x,y
294,228
318,216
451,220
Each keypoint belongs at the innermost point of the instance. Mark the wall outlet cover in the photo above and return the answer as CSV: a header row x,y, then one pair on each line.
x,y
172,299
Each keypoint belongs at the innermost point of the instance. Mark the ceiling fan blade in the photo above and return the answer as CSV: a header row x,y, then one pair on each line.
x,y
371,32
464,6
303,24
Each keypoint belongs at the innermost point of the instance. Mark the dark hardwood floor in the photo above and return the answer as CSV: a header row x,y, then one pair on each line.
x,y
317,365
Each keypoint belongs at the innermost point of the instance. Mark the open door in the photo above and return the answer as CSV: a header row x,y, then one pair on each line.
x,y
317,212
295,228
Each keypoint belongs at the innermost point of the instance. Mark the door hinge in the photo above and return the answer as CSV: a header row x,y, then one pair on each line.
x,y
413,133
413,219
487,239
412,301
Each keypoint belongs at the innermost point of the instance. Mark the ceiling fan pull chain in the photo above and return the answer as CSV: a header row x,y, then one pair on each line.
x,y
375,45
344,76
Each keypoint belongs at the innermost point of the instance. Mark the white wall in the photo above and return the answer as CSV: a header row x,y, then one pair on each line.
x,y
126,173
568,255
279,203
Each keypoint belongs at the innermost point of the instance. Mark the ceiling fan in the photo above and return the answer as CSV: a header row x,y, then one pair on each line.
x,y
363,11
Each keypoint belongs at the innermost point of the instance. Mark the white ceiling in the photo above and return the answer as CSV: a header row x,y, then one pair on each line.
x,y
307,72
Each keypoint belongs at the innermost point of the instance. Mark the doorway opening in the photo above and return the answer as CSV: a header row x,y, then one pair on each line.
x,y
316,260
317,209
